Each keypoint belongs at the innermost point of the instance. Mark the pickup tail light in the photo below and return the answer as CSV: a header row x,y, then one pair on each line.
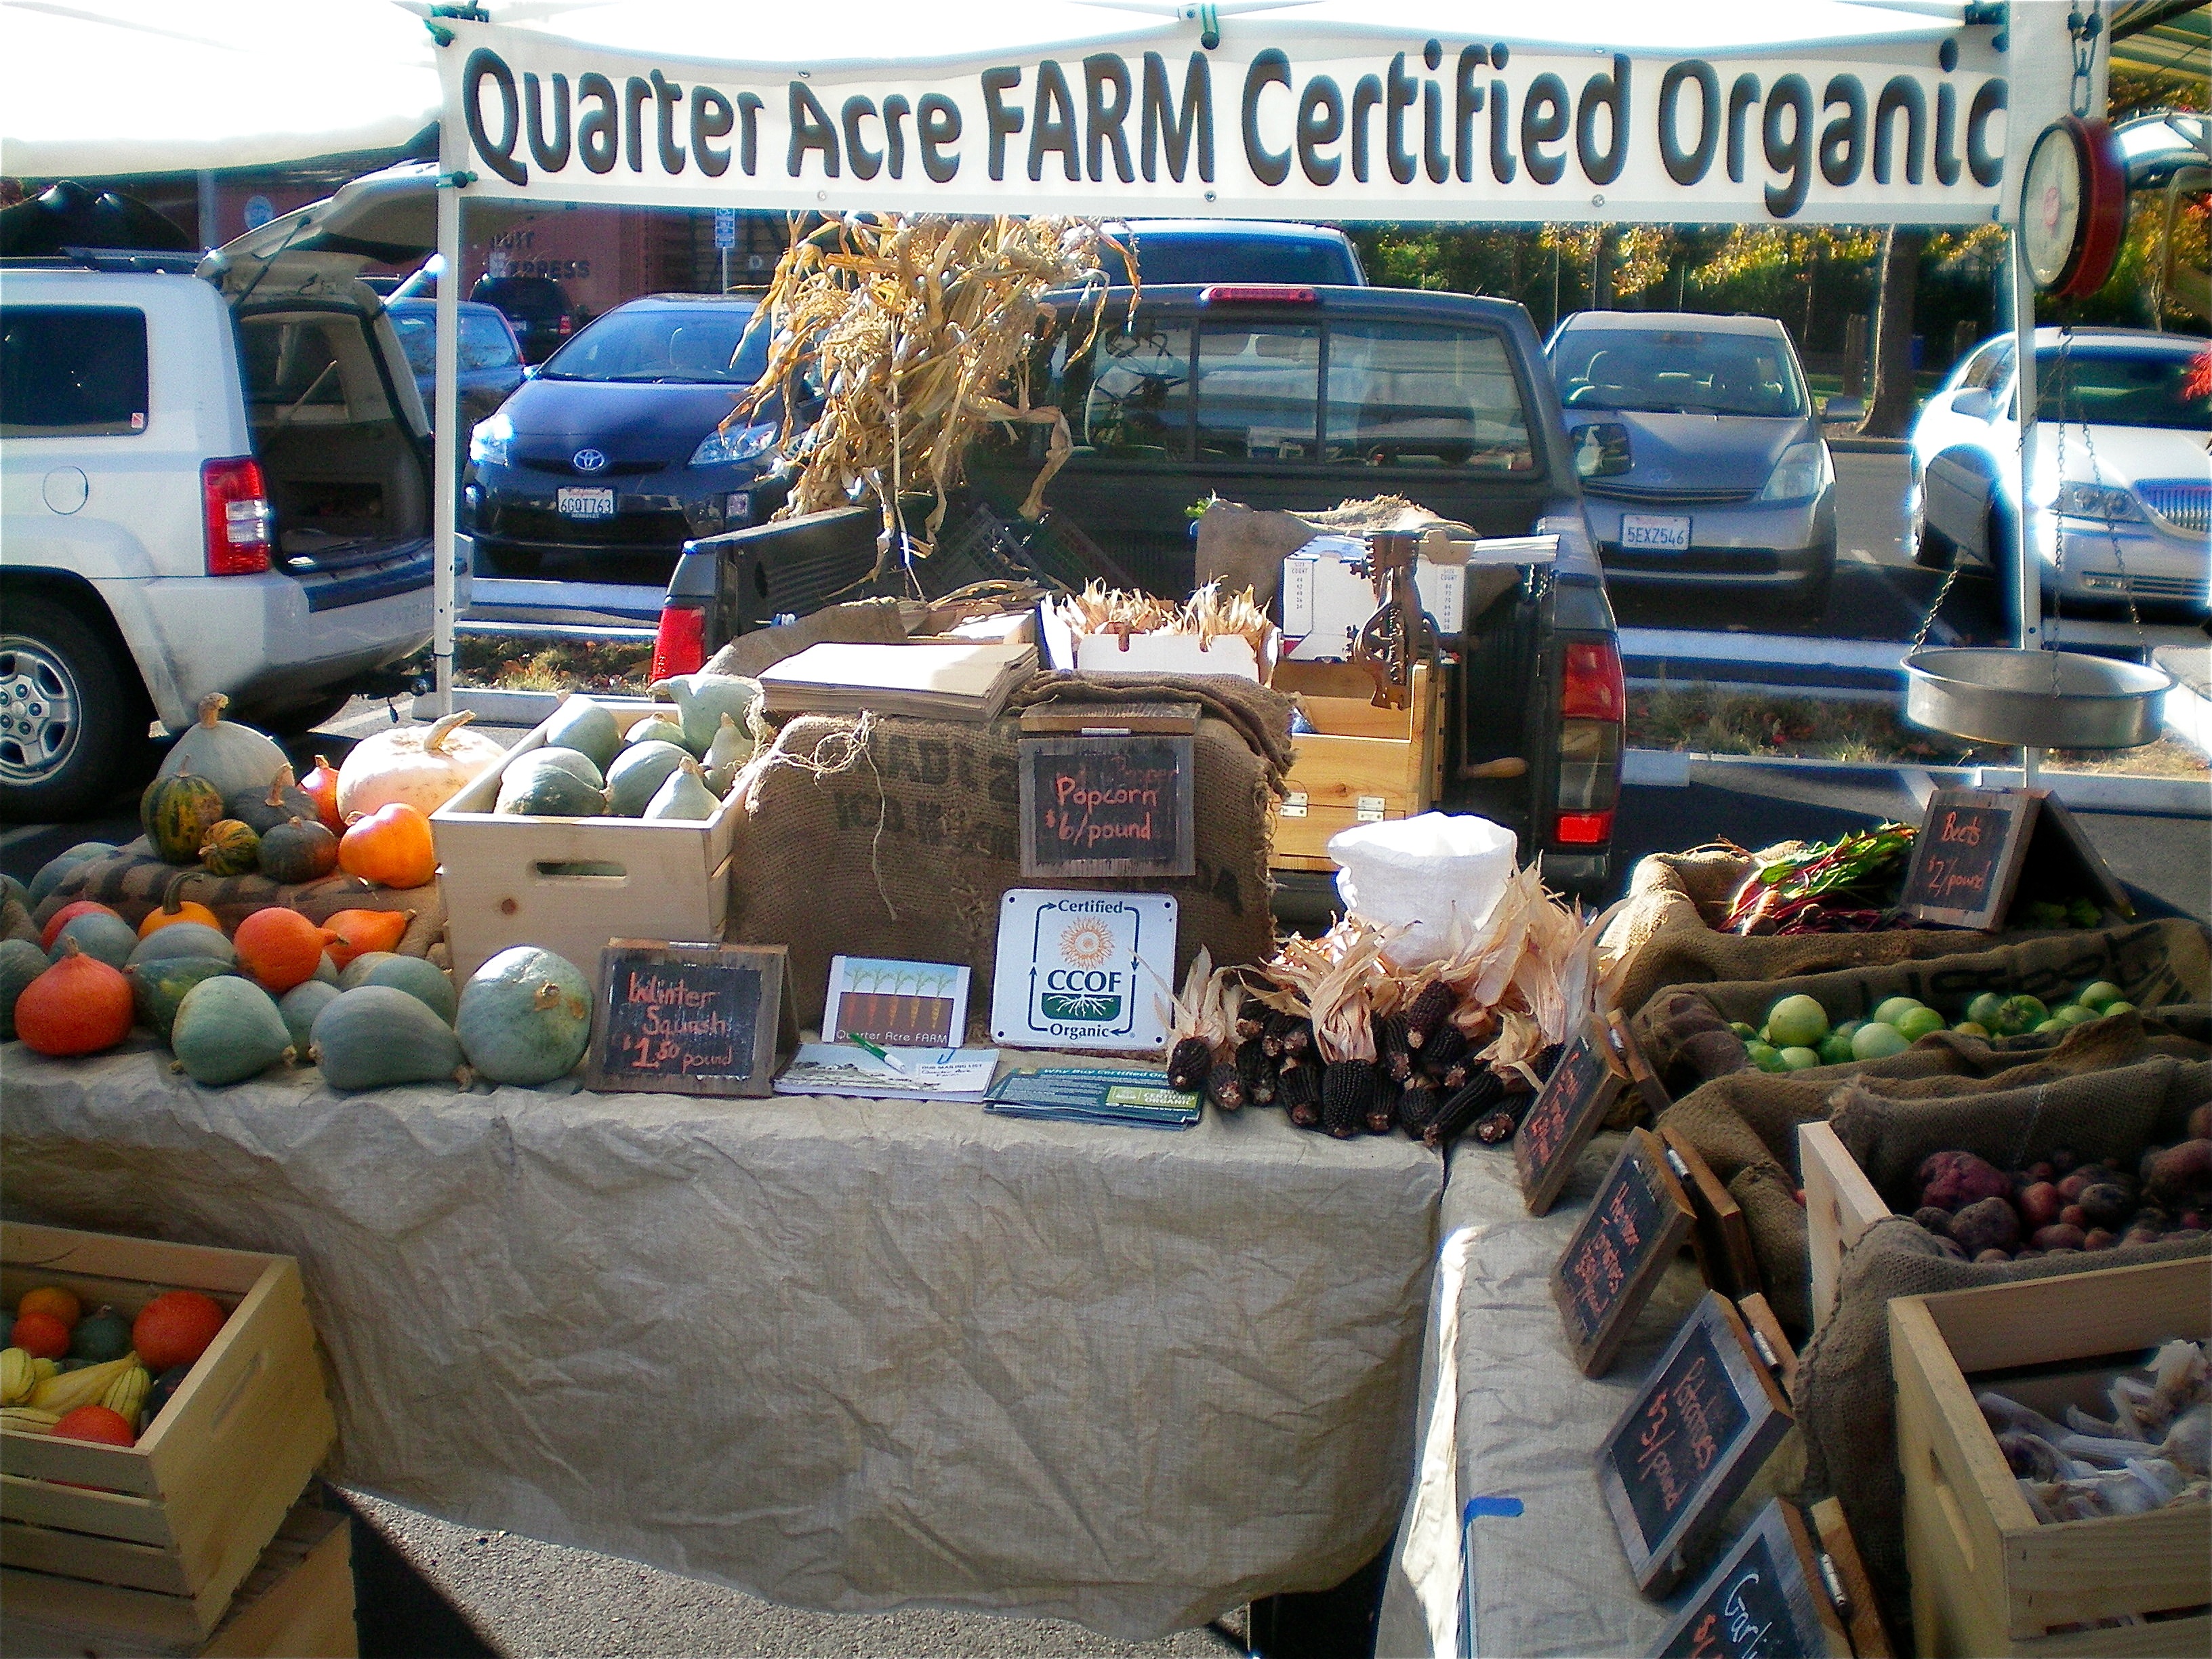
x,y
1258,294
238,520
1591,687
1593,716
1584,829
680,645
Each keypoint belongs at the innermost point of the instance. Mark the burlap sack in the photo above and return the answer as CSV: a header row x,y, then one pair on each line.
x,y
890,838
1847,1400
133,881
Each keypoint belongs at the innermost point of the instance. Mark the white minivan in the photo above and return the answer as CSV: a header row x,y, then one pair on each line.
x,y
212,480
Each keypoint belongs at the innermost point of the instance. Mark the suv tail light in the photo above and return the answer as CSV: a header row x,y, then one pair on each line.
x,y
1258,294
680,645
1593,713
236,504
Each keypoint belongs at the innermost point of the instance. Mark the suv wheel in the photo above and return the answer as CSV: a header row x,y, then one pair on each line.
x,y
69,721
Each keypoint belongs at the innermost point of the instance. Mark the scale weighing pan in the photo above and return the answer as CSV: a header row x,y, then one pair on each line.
x,y
2034,699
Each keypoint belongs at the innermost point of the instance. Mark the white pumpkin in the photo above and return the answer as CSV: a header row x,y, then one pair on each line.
x,y
424,766
232,758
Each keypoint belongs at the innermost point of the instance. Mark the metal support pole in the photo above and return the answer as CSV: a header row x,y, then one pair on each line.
x,y
445,426
2028,568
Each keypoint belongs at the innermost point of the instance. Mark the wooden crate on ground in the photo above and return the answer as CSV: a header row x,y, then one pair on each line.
x,y
1365,764
1987,1576
571,885
153,1539
1840,1203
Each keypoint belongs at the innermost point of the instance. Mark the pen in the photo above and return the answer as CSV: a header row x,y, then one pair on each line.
x,y
883,1054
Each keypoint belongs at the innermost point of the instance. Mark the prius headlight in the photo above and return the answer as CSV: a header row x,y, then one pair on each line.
x,y
1803,471
726,444
2100,502
489,445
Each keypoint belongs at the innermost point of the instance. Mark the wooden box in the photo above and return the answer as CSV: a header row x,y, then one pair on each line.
x,y
177,1521
297,1603
568,885
1364,765
1987,1576
1840,1203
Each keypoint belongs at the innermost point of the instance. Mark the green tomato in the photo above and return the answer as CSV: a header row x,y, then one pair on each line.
x,y
1836,1048
1876,1041
2049,1027
1973,1029
1765,1056
2120,1007
1919,1022
1798,1058
2083,913
1895,1009
1982,1009
1798,1022
1747,1032
2019,1013
2072,1014
2099,994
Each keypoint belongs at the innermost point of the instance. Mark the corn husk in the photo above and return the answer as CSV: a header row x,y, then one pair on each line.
x,y
1209,614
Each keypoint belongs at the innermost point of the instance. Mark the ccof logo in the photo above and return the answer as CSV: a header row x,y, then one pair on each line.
x,y
589,460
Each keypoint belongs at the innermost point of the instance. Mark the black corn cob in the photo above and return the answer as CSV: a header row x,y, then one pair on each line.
x,y
1297,1091
1463,1108
1445,1045
1347,1090
1546,1059
1189,1062
1418,1105
1251,1020
1458,1074
1498,1125
1390,1049
1425,1013
1383,1112
1271,1040
1255,1072
1298,1036
1224,1088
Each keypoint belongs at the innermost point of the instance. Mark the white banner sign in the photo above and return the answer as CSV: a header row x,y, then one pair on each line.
x,y
1314,127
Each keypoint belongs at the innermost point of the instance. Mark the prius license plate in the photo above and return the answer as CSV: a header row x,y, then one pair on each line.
x,y
585,503
1646,532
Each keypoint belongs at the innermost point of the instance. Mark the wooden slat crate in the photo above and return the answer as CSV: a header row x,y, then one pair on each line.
x,y
1364,765
1840,1203
1987,1576
179,1519
570,885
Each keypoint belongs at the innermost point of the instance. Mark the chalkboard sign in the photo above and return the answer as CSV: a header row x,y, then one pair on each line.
x,y
1692,1436
1767,1600
1723,1237
694,1019
1572,1103
1107,805
1966,858
1631,1231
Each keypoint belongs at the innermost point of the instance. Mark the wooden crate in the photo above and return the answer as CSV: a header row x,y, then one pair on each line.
x,y
570,885
1840,1203
297,1603
1987,1578
178,1520
1364,765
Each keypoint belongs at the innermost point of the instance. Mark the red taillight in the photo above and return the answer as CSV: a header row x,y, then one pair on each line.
x,y
1584,828
1257,294
1591,687
236,503
567,326
680,645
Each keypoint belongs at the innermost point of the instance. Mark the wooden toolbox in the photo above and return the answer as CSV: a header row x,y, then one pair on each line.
x,y
570,885
153,1539
1363,765
1987,1576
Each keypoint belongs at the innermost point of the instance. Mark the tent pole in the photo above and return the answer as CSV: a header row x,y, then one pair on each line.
x,y
446,428
2027,569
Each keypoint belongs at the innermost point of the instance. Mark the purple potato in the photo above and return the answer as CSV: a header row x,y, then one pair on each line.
x,y
1952,1181
2063,1236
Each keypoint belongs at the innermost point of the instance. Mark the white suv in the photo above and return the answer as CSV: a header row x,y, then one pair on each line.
x,y
209,482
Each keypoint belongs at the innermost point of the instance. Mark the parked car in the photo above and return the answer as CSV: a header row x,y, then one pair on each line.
x,y
616,445
2122,489
1729,485
490,357
1172,251
538,306
212,485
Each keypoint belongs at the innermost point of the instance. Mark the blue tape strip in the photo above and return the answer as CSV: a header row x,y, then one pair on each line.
x,y
1490,1506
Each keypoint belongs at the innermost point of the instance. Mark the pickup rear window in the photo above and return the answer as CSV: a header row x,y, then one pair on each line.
x,y
1332,392
72,371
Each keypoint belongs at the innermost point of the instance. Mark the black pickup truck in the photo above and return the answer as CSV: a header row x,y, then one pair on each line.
x,y
1292,398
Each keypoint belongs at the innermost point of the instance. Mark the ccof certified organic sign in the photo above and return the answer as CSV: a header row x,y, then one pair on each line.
x,y
1082,970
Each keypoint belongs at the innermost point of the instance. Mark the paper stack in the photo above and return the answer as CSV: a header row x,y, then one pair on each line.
x,y
928,680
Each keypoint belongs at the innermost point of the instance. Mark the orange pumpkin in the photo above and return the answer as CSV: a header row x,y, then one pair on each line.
x,y
70,913
356,932
321,787
173,910
78,1006
279,948
391,846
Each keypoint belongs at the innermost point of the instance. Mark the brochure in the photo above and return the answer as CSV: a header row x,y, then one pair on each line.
x,y
1139,1099
847,1068
899,1004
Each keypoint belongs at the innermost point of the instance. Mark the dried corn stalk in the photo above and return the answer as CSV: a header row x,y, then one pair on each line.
x,y
918,330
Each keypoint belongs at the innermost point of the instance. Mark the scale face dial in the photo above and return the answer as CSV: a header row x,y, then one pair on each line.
x,y
2051,204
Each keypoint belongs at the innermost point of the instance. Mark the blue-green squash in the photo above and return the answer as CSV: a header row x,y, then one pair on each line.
x,y
20,962
537,788
299,1005
326,970
158,987
572,761
587,726
191,938
656,728
682,795
526,1017
638,771
703,699
228,1030
263,810
376,1036
412,974
55,868
98,933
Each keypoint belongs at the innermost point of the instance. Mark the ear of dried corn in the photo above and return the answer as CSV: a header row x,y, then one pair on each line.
x,y
1208,614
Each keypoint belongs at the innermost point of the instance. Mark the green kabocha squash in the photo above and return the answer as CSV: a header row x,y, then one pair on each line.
x,y
638,772
412,974
231,756
682,795
587,726
231,848
537,788
20,962
573,762
299,1005
177,810
226,1031
525,1017
100,1338
300,849
376,1036
97,933
184,938
326,970
656,728
55,868
263,810
158,987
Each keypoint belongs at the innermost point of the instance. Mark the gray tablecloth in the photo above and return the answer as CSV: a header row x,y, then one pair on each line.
x,y
1506,1413
844,1354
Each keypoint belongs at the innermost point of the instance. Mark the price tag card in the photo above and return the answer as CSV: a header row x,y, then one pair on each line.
x,y
1631,1231
694,1020
1690,1439
1104,805
1767,1600
1572,1103
1966,858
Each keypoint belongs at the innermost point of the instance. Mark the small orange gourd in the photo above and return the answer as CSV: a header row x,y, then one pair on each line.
x,y
173,910
321,787
392,846
357,933
78,1006
70,913
279,948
